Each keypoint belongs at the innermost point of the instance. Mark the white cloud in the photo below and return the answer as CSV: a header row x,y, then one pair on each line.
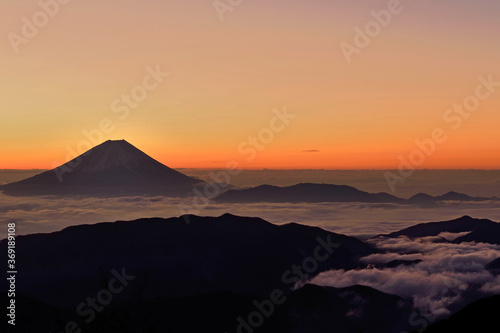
x,y
50,213
436,283
451,236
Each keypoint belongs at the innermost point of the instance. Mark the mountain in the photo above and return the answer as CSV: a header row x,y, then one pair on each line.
x,y
455,196
310,192
476,230
353,309
480,316
111,168
35,316
215,274
306,192
494,267
176,259
429,200
397,263
308,309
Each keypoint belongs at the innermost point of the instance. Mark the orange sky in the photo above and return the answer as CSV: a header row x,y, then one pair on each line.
x,y
226,78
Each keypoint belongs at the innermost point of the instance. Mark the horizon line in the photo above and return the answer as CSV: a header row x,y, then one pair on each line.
x,y
293,169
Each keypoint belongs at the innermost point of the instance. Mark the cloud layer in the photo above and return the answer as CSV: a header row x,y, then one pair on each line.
x,y
49,213
436,284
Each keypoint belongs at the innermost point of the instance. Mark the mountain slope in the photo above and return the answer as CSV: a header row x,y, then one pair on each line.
x,y
210,254
353,309
309,309
111,168
305,193
480,316
310,192
478,230
494,267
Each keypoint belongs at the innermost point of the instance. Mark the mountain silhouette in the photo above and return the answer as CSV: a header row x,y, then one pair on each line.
x,y
478,230
309,309
480,316
429,200
494,267
111,168
306,192
351,309
397,263
210,254
311,192
206,274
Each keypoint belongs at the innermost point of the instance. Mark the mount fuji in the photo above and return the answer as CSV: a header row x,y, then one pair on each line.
x,y
113,168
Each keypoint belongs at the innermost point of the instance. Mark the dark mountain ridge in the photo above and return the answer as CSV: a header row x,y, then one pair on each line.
x,y
308,309
480,316
478,230
310,193
210,254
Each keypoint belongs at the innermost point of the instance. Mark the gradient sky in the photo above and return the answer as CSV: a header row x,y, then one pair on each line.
x,y
226,77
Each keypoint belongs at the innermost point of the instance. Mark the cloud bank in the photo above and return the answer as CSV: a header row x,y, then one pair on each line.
x,y
440,281
50,213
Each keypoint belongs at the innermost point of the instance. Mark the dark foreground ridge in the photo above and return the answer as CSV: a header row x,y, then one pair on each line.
x,y
480,316
207,272
215,274
309,309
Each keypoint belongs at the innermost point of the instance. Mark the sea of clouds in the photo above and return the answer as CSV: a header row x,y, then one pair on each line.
x,y
448,274
50,213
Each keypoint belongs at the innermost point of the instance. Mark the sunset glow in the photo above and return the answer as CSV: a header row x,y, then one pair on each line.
x,y
225,78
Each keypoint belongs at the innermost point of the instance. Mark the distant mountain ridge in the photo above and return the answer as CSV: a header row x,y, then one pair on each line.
x,y
111,168
305,192
311,192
